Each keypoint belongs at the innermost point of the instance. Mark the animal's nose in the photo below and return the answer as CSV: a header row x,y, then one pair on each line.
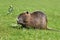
x,y
17,19
18,22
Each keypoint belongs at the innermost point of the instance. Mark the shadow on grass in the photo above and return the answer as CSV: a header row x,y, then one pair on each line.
x,y
21,27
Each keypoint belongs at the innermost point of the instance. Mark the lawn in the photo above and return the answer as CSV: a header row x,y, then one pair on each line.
x,y
50,7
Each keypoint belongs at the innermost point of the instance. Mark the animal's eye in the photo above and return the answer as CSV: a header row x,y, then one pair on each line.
x,y
25,21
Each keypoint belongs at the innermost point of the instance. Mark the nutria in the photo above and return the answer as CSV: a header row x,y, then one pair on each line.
x,y
35,19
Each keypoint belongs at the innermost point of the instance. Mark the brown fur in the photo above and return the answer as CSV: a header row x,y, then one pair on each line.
x,y
35,19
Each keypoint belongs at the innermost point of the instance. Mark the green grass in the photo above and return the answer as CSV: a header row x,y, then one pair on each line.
x,y
50,7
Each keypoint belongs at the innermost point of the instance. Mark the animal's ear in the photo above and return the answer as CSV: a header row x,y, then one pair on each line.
x,y
27,12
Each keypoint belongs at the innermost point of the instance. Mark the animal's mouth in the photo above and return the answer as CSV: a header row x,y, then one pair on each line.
x,y
20,23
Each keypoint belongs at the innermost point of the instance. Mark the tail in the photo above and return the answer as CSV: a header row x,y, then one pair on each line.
x,y
53,29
